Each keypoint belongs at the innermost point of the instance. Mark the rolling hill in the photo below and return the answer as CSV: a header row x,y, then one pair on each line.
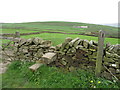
x,y
59,26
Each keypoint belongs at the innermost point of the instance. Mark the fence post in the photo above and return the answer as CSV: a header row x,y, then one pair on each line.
x,y
17,34
99,53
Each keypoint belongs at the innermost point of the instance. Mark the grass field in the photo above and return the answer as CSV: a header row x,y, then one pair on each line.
x,y
19,30
59,27
59,38
19,76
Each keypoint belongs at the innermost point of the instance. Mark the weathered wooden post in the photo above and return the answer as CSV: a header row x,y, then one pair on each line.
x,y
99,53
17,34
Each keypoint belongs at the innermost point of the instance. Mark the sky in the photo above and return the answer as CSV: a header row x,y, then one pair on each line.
x,y
87,11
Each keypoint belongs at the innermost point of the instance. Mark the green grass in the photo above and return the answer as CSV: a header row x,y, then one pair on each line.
x,y
19,76
5,41
59,38
15,30
66,27
60,27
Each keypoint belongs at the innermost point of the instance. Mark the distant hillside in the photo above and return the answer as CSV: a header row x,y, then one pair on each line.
x,y
59,26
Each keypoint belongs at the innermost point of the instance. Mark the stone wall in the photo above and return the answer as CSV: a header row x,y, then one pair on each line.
x,y
32,49
72,53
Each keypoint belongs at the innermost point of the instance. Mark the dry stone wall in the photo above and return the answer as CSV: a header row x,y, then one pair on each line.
x,y
32,49
71,53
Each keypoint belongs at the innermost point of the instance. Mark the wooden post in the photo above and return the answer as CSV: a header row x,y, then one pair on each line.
x,y
17,34
99,53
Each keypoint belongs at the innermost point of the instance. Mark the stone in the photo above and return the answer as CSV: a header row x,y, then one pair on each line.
x,y
91,42
89,52
110,55
113,71
49,57
92,47
73,50
68,58
93,56
69,51
37,40
116,56
81,47
29,41
95,43
17,40
64,62
118,71
103,69
33,47
79,54
34,67
116,47
71,68
16,49
38,54
25,50
108,59
116,65
77,43
67,46
107,46
16,44
110,49
118,76
46,43
85,43
116,60
106,63
63,45
58,47
22,41
20,50
68,39
73,41
52,47
81,42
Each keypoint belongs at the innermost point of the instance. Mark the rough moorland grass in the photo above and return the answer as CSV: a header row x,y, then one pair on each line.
x,y
59,38
19,76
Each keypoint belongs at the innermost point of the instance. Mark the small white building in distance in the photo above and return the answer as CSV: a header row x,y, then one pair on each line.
x,y
80,26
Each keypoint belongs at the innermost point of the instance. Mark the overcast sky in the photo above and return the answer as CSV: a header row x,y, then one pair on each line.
x,y
87,11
